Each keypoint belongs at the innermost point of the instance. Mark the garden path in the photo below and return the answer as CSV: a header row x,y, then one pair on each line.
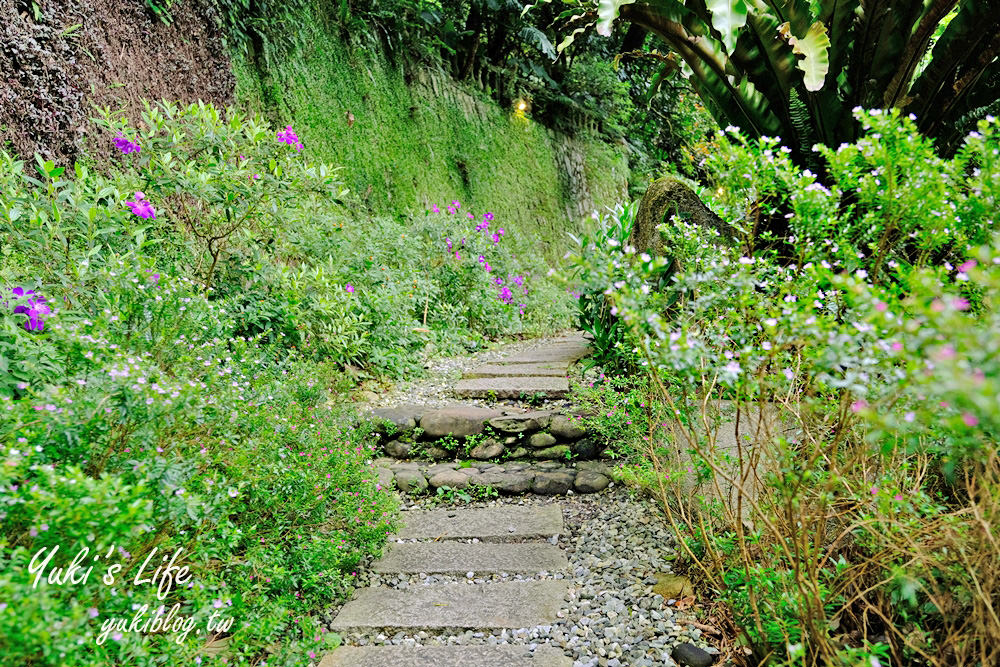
x,y
531,581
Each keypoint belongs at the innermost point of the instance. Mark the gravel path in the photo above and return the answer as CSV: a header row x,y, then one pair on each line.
x,y
615,543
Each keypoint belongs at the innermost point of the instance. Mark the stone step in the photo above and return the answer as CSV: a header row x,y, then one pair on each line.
x,y
508,604
500,369
485,522
445,656
562,353
512,387
460,558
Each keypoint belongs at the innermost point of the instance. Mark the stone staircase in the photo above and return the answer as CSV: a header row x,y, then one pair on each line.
x,y
426,544
540,370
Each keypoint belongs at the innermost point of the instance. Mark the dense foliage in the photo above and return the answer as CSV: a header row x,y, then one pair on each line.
x,y
822,429
797,69
176,338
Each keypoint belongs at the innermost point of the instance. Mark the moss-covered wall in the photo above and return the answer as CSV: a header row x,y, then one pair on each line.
x,y
408,144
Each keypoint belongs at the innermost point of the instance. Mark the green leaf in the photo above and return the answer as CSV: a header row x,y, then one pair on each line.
x,y
815,47
728,16
607,12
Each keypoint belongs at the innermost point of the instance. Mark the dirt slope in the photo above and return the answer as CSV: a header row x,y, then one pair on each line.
x,y
58,58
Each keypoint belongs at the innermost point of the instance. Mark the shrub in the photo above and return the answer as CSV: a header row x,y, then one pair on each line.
x,y
828,443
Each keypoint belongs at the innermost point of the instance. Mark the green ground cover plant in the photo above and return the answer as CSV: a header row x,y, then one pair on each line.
x,y
177,334
821,424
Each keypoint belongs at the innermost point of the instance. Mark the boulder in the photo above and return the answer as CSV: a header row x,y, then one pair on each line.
x,y
437,453
596,466
566,428
588,481
411,481
553,452
552,483
398,449
385,477
518,453
404,418
488,449
505,482
527,422
690,655
539,440
664,198
453,479
459,422
585,448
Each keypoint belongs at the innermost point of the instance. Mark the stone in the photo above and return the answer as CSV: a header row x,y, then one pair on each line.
x,y
666,197
510,604
552,483
505,482
461,557
691,656
566,353
453,479
512,387
541,440
565,428
584,448
385,476
518,453
589,481
527,422
549,466
672,586
446,656
553,452
526,521
440,467
404,418
488,449
554,369
596,466
510,440
411,481
398,449
460,422
436,453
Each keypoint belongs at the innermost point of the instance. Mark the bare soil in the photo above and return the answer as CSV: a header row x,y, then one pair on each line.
x,y
60,58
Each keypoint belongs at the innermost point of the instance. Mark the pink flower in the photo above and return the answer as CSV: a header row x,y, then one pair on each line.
x,y
435,208
141,207
960,303
456,205
896,347
881,306
898,497
967,266
859,405
970,419
349,288
874,490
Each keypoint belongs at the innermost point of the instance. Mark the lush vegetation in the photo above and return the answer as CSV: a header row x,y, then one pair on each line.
x,y
821,425
177,337
798,69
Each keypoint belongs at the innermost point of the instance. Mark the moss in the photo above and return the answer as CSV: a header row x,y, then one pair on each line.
x,y
405,148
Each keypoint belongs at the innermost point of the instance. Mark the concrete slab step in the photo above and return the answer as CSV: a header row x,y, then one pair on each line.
x,y
500,369
460,558
560,353
485,522
509,604
512,387
445,656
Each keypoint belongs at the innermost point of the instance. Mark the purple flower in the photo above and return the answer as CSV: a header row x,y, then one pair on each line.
x,y
487,216
289,137
436,209
125,146
349,288
456,205
141,206
33,307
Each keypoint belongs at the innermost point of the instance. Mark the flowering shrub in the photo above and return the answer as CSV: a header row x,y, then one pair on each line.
x,y
822,428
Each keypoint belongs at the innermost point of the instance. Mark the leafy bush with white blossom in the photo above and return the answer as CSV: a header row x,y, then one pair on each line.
x,y
824,421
